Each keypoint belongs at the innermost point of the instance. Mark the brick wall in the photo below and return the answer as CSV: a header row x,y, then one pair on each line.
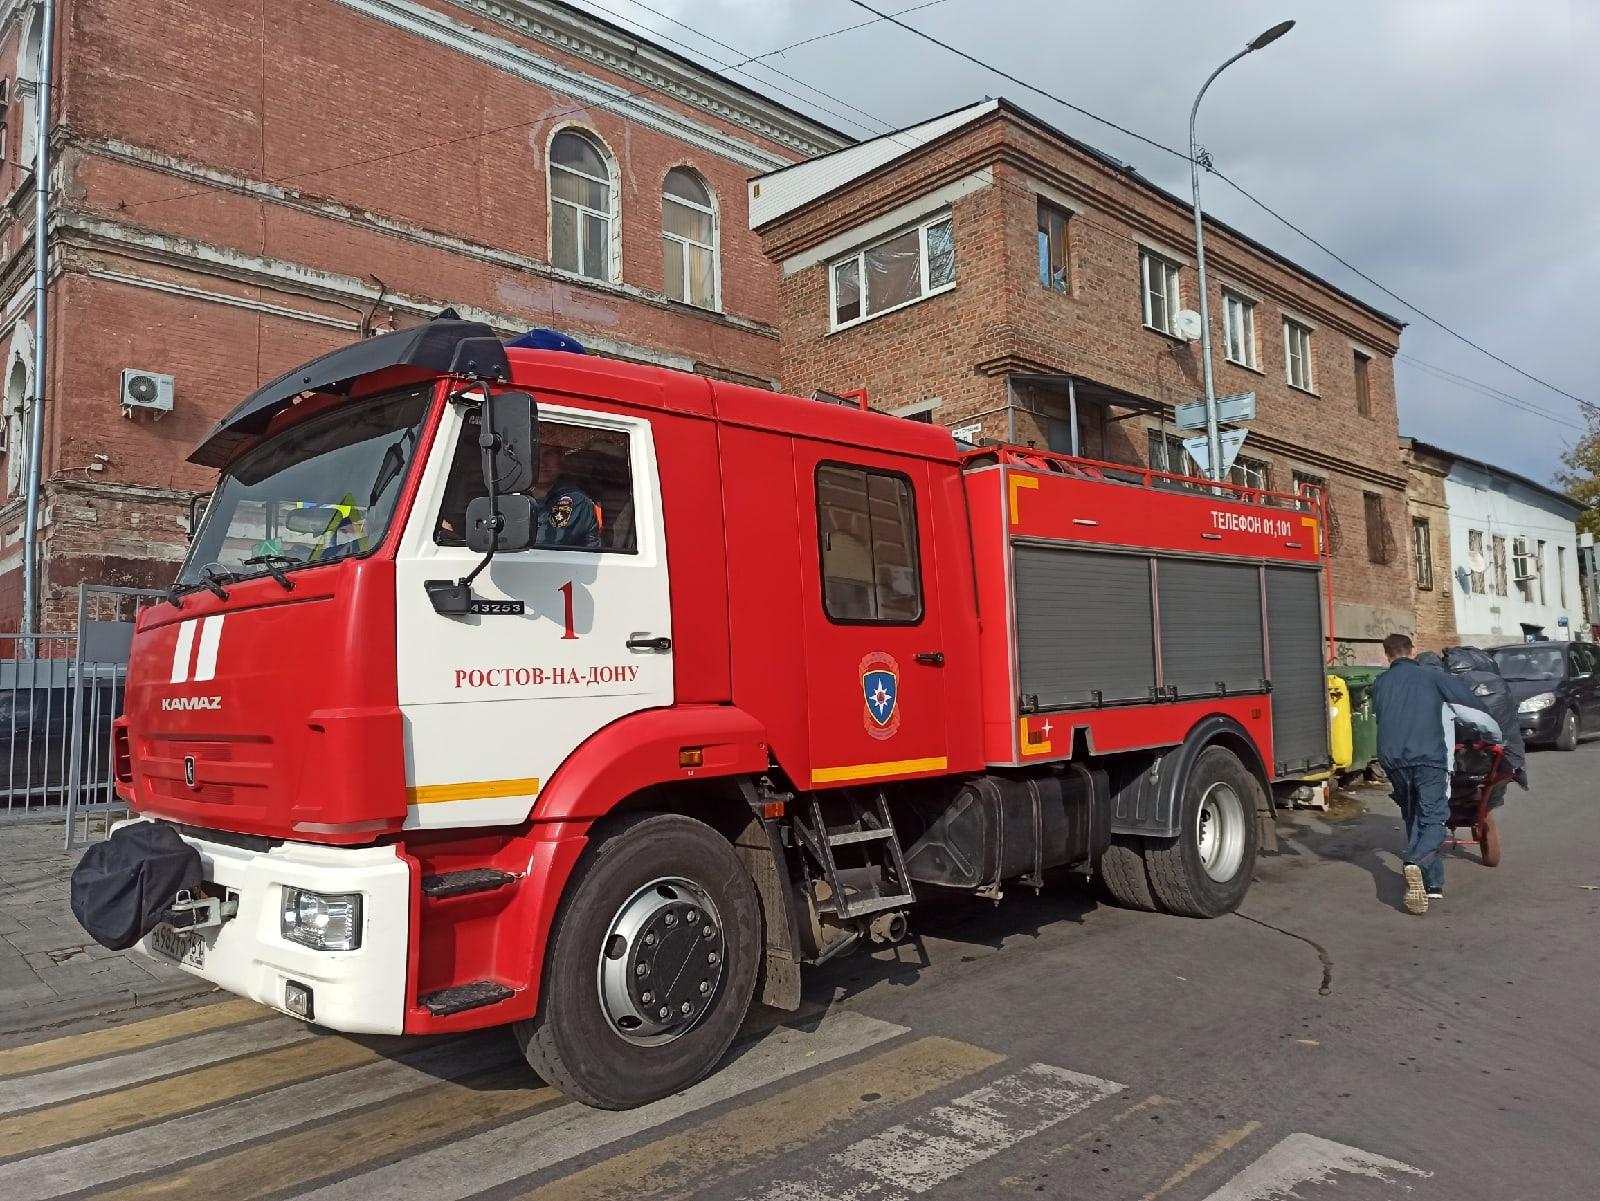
x,y
959,345
1435,605
246,186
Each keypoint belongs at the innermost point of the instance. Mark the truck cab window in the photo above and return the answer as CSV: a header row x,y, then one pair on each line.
x,y
867,528
583,496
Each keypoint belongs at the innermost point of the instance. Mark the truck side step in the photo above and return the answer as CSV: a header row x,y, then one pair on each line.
x,y
847,837
470,880
462,997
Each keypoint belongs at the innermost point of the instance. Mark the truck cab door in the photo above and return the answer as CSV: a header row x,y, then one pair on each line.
x,y
494,702
875,646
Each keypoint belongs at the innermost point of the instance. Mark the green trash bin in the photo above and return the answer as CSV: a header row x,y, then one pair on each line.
x,y
1363,724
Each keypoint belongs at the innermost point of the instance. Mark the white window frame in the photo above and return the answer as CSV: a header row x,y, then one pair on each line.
x,y
1232,301
859,257
1173,291
613,218
714,247
1291,328
1561,574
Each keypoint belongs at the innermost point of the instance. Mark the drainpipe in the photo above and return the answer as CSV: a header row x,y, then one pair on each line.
x,y
41,278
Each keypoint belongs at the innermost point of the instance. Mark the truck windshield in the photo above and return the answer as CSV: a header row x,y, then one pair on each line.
x,y
319,491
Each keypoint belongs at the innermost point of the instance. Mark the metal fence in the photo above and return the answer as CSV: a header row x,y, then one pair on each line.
x,y
59,694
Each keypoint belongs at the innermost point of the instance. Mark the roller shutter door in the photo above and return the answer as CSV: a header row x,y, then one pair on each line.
x,y
1299,673
1210,627
1084,622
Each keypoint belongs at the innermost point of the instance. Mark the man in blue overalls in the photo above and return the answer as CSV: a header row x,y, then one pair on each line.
x,y
568,516
1407,701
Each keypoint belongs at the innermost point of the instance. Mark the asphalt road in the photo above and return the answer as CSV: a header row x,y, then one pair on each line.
x,y
1320,1044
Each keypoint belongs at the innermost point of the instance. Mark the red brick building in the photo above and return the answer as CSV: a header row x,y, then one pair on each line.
x,y
985,271
237,188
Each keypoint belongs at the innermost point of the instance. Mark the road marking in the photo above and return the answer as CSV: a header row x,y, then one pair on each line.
x,y
1307,1159
471,1165
135,1067
1028,1181
438,1112
78,1048
175,1140
913,1157
1223,1142
756,1134
41,1129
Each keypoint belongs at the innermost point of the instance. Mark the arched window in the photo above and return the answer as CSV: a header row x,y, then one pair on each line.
x,y
583,211
689,238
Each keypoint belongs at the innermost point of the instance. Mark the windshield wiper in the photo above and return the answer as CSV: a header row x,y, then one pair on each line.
x,y
273,565
215,580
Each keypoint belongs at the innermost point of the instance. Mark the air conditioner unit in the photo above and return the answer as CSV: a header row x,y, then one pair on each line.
x,y
1523,565
146,390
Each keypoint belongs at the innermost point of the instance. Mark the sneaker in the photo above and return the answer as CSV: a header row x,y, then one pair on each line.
x,y
1416,894
1435,894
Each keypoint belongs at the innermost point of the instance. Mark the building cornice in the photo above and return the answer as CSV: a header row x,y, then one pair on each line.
x,y
634,57
636,105
202,176
79,232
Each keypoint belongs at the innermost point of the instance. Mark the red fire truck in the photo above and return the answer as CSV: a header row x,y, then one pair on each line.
x,y
519,686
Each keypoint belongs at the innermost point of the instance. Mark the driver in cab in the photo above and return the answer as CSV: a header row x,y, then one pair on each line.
x,y
565,515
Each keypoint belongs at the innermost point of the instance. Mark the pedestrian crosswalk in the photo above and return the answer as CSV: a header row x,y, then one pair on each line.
x,y
232,1101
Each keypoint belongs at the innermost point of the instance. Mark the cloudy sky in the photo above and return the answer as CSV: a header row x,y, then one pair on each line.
x,y
1448,148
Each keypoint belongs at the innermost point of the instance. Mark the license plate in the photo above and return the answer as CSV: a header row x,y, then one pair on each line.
x,y
188,950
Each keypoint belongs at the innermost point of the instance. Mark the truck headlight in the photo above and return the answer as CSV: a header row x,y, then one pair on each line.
x,y
320,920
1535,703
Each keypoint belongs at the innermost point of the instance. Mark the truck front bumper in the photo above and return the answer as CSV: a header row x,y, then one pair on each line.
x,y
361,991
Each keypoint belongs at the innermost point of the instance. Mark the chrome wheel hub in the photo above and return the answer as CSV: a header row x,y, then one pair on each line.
x,y
1220,835
661,962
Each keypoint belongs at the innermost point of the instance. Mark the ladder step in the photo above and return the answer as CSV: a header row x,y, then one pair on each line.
x,y
846,837
459,884
861,906
462,997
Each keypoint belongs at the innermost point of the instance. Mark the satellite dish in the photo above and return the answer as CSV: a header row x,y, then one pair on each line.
x,y
1188,325
1475,560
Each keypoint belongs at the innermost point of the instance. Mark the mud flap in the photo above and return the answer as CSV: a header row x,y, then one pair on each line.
x,y
760,850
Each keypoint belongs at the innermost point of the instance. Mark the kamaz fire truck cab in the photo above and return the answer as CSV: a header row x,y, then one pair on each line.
x,y
523,686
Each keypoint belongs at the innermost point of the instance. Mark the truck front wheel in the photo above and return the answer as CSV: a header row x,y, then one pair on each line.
x,y
651,965
1206,870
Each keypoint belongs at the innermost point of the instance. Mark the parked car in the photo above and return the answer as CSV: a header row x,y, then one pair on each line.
x,y
1557,686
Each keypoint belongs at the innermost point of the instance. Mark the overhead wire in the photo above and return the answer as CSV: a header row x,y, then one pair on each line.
x,y
1259,203
893,18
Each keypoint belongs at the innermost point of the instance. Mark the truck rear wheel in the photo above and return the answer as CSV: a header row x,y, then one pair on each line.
x,y
1122,872
1206,870
651,965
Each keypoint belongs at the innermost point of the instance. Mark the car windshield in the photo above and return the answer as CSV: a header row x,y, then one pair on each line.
x,y
321,490
1532,662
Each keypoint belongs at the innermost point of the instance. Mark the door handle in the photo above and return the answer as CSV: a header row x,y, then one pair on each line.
x,y
645,642
931,658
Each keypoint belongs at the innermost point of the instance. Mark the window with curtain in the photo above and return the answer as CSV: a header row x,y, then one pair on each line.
x,y
689,239
582,206
1053,265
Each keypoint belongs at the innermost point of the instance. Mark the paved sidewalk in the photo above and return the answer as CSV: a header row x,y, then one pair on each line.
x,y
50,970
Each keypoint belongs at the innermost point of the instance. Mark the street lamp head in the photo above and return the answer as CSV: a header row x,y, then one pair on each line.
x,y
1271,35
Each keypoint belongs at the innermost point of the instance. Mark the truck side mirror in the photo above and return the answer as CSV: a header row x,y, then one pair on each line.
x,y
509,530
514,452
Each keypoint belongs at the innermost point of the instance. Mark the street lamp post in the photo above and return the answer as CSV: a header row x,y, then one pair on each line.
x,y
1213,435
